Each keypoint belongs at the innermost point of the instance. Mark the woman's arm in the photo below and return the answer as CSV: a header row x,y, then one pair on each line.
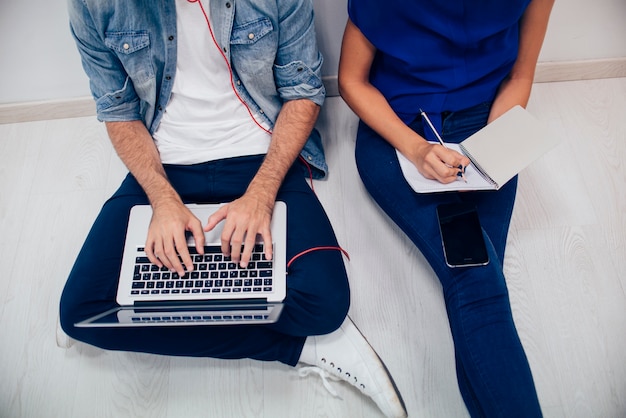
x,y
357,55
515,90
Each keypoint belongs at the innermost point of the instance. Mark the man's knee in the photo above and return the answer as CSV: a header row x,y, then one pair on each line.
x,y
335,314
326,314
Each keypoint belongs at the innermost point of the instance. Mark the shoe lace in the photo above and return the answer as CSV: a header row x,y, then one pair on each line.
x,y
305,371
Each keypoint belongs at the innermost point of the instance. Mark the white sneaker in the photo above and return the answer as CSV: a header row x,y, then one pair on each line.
x,y
63,340
346,355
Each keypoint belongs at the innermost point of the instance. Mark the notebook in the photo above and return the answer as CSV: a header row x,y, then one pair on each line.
x,y
497,153
217,292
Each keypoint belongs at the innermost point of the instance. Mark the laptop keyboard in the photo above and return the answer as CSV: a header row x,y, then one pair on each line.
x,y
213,273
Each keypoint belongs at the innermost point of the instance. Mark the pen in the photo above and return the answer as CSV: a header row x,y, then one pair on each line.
x,y
427,119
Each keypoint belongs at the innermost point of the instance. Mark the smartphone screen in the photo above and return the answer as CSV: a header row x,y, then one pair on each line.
x,y
461,235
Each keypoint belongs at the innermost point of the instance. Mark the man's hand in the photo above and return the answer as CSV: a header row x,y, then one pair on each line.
x,y
166,236
245,218
170,218
251,214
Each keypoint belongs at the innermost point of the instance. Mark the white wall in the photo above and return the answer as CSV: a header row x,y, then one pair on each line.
x,y
38,60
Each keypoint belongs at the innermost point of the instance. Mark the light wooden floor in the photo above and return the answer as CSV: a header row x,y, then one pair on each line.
x,y
565,268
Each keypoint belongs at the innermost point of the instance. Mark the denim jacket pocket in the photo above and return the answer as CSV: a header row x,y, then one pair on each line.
x,y
251,32
133,50
253,48
127,42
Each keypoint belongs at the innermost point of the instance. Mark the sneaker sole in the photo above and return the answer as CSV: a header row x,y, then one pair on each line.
x,y
393,383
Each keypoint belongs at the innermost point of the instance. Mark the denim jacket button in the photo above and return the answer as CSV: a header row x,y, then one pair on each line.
x,y
251,36
126,47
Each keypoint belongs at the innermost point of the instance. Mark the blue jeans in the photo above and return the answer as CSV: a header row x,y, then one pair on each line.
x,y
318,295
492,370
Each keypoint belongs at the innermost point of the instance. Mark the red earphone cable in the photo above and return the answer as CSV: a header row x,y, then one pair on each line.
x,y
230,71
295,257
232,84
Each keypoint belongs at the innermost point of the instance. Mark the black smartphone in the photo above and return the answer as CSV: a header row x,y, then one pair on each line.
x,y
461,235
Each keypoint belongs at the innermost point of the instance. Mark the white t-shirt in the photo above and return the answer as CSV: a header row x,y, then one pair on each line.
x,y
204,119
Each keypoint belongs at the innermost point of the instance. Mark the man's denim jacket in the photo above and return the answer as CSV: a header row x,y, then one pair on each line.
x,y
128,50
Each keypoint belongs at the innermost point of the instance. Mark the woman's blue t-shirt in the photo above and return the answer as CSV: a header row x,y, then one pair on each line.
x,y
439,55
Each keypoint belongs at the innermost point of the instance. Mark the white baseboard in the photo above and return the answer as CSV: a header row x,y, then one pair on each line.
x,y
548,72
84,106
46,110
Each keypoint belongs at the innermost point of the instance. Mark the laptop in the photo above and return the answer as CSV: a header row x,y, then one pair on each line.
x,y
217,292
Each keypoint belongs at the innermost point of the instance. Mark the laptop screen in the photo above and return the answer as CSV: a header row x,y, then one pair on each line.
x,y
231,314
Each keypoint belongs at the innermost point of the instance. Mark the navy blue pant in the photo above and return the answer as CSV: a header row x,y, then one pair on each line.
x,y
492,370
318,294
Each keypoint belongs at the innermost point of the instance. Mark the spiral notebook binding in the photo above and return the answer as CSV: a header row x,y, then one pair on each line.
x,y
478,167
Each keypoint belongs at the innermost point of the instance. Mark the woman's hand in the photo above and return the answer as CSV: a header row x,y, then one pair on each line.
x,y
512,92
437,162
